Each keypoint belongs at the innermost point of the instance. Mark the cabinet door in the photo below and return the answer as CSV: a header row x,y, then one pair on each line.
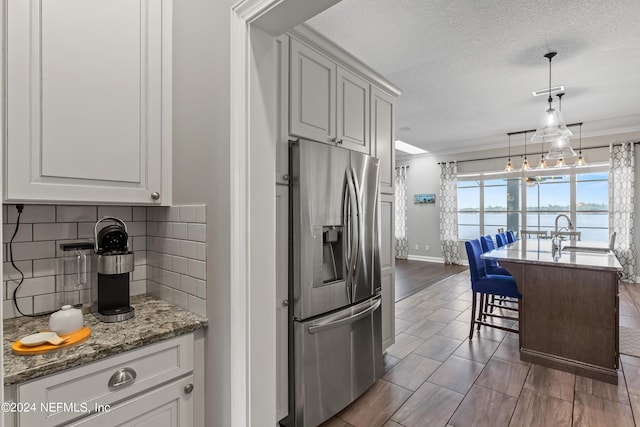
x,y
352,111
312,94
382,135
170,406
387,265
281,303
89,106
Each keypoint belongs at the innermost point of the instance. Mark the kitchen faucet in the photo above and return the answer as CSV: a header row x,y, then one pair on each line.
x,y
556,242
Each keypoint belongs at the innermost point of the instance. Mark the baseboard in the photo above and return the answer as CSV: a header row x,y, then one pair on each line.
x,y
425,258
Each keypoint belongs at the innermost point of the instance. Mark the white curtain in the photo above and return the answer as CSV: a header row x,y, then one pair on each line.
x,y
621,205
402,242
449,213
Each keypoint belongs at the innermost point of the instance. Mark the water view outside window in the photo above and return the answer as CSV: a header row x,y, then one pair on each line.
x,y
486,204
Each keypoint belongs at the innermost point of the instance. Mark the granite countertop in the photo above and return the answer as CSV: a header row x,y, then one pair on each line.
x,y
155,320
538,251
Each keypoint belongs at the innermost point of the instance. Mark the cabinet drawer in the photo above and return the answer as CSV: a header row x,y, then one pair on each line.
x,y
75,392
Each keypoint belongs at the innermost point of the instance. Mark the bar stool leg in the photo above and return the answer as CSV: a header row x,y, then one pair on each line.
x,y
473,315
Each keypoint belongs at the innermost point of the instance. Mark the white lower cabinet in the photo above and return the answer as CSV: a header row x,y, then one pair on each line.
x,y
167,406
152,385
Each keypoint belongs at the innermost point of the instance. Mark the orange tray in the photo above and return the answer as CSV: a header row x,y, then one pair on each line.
x,y
74,338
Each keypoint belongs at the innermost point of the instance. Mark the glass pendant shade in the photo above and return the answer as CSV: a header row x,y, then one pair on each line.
x,y
525,165
552,127
581,161
560,163
543,163
509,167
561,149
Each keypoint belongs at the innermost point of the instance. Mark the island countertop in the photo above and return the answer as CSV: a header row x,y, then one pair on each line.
x,y
155,320
538,251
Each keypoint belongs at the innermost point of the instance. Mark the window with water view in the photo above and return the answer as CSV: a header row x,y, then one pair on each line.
x,y
486,204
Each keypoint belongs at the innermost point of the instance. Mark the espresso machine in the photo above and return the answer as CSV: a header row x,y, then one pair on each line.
x,y
113,262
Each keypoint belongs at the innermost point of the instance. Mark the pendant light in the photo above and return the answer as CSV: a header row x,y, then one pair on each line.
x,y
543,161
581,161
509,166
560,162
561,147
552,128
525,162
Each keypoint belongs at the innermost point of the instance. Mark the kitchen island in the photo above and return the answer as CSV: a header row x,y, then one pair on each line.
x,y
569,308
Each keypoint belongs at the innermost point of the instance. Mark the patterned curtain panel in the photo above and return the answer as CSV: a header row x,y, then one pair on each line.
x,y
621,206
402,242
449,212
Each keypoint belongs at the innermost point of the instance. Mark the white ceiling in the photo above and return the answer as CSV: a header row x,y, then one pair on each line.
x,y
468,67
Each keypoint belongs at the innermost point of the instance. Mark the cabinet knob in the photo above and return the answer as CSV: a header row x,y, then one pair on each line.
x,y
339,141
285,177
155,195
188,388
285,303
334,140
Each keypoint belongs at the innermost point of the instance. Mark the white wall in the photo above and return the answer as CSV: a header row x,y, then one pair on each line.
x,y
423,221
201,169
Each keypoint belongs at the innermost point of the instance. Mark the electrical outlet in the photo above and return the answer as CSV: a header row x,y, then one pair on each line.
x,y
417,247
426,247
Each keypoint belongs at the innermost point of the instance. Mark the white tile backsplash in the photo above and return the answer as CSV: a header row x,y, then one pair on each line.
x,y
169,245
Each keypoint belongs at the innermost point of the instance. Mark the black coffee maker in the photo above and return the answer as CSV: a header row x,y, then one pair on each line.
x,y
112,264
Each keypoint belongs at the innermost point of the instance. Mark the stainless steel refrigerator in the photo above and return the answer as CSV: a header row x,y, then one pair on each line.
x,y
334,292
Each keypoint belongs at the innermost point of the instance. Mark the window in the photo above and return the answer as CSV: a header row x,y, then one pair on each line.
x,y
489,201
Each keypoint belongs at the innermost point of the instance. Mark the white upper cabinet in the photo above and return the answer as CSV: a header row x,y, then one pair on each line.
x,y
312,107
383,137
352,111
89,101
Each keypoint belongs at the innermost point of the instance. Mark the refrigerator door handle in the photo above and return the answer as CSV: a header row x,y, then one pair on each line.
x,y
352,241
354,317
360,231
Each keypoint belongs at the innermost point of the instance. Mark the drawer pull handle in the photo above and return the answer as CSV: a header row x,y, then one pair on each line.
x,y
122,377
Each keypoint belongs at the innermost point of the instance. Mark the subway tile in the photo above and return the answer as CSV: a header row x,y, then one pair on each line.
x,y
76,214
172,279
179,265
158,213
33,250
197,232
25,233
139,243
124,213
201,289
165,229
44,267
139,213
138,228
197,306
55,231
201,214
152,228
173,214
179,230
152,288
172,246
140,257
187,213
33,286
47,302
165,261
139,274
138,287
9,310
180,299
86,230
32,214
10,273
197,269
189,285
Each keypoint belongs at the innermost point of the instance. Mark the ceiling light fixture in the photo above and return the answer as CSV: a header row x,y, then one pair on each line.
x,y
509,166
546,91
581,161
543,161
561,147
408,148
552,128
525,162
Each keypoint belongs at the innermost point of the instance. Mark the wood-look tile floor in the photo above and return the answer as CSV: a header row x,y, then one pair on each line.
x,y
434,376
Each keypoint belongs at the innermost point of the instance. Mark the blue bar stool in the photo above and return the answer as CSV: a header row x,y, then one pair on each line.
x,y
511,236
501,239
488,284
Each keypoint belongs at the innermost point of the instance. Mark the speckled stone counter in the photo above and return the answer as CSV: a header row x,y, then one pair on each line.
x,y
155,320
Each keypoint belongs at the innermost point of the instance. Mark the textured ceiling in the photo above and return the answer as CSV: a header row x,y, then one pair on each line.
x,y
467,67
